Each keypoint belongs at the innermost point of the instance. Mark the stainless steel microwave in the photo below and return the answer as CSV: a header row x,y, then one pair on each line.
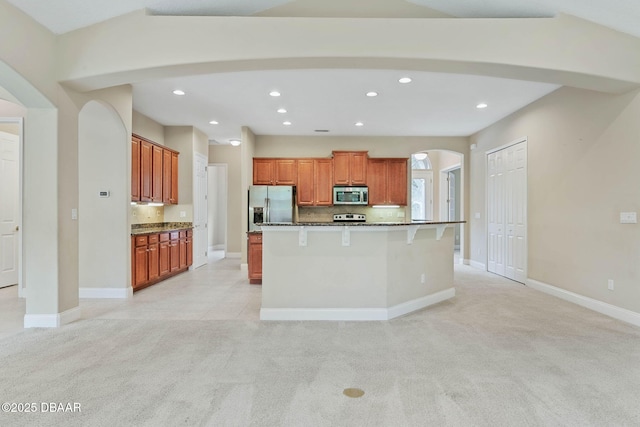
x,y
350,195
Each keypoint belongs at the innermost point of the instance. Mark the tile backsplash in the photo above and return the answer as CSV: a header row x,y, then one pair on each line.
x,y
144,214
325,214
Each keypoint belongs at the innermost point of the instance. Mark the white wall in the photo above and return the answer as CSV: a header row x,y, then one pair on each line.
x,y
217,209
583,156
104,243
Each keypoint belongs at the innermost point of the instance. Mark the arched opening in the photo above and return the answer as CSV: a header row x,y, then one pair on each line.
x,y
103,192
438,190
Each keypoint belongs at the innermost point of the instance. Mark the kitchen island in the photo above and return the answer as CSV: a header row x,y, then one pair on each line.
x,y
355,271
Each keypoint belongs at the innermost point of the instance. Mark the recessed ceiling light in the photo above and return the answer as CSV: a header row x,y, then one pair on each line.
x,y
282,110
235,142
359,124
481,106
178,92
372,94
213,122
405,80
287,123
274,93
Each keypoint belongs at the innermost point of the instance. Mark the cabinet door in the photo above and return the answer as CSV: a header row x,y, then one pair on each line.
x,y
153,254
377,181
286,171
189,248
182,245
174,178
156,180
135,169
166,176
163,259
254,259
341,168
323,182
263,171
358,168
174,255
146,170
306,182
397,182
142,266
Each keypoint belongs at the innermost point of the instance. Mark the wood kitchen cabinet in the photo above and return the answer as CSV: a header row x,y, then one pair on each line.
x,y
157,256
275,171
254,258
315,182
387,181
135,169
350,167
146,170
154,172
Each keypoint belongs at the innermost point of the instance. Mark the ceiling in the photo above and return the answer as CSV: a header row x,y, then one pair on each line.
x,y
433,104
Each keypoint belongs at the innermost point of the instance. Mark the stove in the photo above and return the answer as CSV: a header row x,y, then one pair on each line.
x,y
349,217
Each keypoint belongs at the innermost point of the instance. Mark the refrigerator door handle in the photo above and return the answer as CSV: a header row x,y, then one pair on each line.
x,y
267,216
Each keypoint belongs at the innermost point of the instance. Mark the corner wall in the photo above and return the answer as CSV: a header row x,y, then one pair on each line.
x,y
583,156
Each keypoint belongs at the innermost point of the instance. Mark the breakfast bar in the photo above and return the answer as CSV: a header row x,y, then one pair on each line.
x,y
356,271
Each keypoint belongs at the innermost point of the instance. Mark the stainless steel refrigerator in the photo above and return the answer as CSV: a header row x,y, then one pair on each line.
x,y
270,203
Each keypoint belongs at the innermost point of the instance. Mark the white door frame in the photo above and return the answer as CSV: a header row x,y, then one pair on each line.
x,y
444,191
523,140
225,168
20,122
198,204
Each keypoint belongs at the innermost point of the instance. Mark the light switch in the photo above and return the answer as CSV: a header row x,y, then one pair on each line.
x,y
628,218
74,213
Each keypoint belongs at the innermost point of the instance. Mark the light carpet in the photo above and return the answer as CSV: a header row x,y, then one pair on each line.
x,y
498,354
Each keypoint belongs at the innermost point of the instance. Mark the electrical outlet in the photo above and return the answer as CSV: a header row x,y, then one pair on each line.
x,y
610,284
423,278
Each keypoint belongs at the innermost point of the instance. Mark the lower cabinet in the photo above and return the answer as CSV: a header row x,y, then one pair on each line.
x,y
254,258
156,257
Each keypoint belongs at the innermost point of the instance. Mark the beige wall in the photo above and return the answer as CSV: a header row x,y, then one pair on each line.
x,y
583,156
148,128
236,219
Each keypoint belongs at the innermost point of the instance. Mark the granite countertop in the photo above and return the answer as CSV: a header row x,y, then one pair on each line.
x,y
360,224
142,229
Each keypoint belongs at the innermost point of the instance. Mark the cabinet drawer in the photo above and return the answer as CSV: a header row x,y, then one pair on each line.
x,y
153,238
164,237
189,233
141,241
255,238
183,234
175,235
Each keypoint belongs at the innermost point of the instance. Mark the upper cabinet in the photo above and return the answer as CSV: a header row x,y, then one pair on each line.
x,y
350,167
315,182
154,172
275,171
387,181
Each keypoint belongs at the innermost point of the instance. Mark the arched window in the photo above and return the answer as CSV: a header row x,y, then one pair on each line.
x,y
420,161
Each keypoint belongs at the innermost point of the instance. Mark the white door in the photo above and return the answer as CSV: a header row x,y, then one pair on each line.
x,y
451,198
9,208
200,210
506,211
422,195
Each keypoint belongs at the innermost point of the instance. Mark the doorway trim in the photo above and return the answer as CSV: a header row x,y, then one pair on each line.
x,y
20,122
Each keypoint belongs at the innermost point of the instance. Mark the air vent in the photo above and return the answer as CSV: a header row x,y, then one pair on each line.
x,y
321,130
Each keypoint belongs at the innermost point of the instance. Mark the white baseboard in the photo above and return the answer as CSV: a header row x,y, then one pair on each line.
x,y
51,320
419,303
119,293
355,314
476,264
590,303
232,255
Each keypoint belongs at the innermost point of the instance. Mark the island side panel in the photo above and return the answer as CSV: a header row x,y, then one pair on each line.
x,y
427,256
324,274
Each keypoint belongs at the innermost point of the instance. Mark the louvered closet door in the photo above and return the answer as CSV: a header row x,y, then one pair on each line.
x,y
507,202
